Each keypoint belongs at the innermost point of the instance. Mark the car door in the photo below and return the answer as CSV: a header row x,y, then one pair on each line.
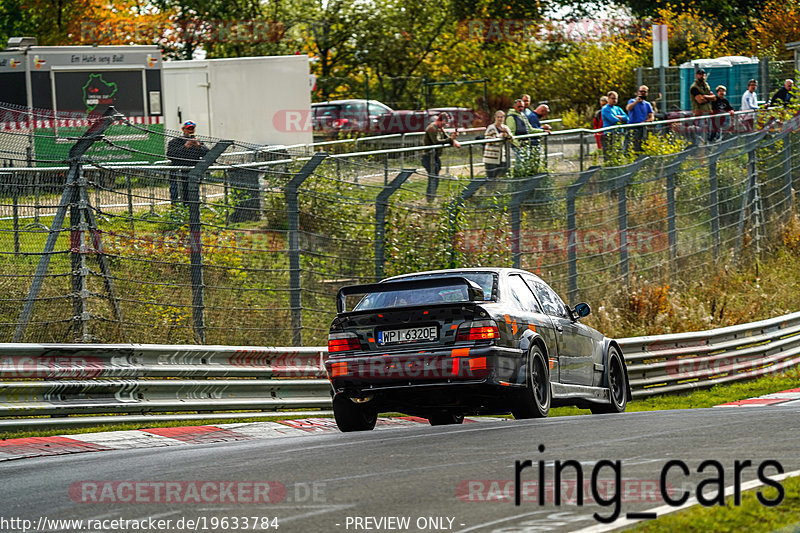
x,y
575,343
536,319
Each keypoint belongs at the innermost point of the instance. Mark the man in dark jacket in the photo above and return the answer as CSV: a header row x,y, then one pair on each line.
x,y
432,158
183,151
782,96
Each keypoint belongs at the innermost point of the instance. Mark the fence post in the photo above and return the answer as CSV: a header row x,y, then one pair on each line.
x,y
787,173
293,215
194,178
381,203
622,213
572,243
748,192
76,152
517,197
79,227
713,199
14,180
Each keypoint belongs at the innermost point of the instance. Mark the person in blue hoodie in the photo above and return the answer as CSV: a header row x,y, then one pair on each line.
x,y
612,115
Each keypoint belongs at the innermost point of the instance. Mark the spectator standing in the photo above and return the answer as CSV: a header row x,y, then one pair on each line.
x,y
702,98
613,115
432,158
597,122
750,97
749,103
783,96
721,106
184,151
640,111
527,112
518,125
494,154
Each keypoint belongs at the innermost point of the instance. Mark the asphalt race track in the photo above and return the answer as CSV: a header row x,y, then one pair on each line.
x,y
422,478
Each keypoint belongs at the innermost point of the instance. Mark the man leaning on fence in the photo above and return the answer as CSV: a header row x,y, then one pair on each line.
x,y
432,158
184,151
749,103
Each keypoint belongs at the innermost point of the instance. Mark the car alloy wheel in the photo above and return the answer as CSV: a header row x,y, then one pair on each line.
x,y
534,400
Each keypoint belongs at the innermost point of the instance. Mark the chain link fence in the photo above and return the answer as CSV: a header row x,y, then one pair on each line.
x,y
249,245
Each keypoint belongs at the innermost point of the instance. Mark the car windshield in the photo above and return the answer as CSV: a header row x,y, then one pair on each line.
x,y
447,293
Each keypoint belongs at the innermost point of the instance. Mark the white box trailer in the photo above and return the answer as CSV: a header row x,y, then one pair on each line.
x,y
258,100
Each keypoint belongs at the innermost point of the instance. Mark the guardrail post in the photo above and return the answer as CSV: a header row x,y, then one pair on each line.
x,y
517,197
572,242
194,178
76,152
381,203
580,151
293,215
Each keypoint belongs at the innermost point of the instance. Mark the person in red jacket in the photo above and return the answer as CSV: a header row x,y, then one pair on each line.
x,y
597,122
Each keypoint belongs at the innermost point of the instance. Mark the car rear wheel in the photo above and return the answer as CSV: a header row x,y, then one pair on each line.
x,y
534,400
617,385
351,416
445,419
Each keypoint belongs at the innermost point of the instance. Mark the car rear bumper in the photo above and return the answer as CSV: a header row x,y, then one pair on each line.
x,y
397,380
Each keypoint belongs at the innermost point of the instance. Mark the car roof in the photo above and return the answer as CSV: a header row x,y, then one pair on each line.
x,y
344,102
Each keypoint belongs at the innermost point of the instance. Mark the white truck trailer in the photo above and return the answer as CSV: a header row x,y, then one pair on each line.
x,y
258,100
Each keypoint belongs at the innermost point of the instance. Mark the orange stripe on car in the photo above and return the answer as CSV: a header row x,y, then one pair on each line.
x,y
532,327
479,363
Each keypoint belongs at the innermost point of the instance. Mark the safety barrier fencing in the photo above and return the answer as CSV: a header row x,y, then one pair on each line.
x,y
683,362
43,385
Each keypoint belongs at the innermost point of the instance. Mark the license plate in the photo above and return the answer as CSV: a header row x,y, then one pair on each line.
x,y
392,336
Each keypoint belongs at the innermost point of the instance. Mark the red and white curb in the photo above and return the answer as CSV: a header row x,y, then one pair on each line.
x,y
181,436
776,398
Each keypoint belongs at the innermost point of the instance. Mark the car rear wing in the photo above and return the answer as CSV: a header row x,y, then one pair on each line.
x,y
474,290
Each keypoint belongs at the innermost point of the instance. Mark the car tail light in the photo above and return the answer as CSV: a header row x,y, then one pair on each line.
x,y
480,330
343,342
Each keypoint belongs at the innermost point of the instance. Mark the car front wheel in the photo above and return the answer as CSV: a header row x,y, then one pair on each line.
x,y
534,400
351,416
617,385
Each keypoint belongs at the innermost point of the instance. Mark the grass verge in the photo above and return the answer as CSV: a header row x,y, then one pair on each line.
x,y
750,516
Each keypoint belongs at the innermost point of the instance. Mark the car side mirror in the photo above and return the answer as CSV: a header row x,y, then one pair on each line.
x,y
581,310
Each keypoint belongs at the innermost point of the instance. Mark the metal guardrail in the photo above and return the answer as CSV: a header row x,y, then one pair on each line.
x,y
73,379
69,381
683,362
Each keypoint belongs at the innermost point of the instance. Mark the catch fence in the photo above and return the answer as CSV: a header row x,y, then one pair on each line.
x,y
250,246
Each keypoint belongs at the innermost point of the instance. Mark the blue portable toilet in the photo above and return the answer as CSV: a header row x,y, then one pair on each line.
x,y
743,69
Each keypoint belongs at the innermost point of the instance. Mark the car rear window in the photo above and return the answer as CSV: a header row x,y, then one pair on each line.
x,y
429,296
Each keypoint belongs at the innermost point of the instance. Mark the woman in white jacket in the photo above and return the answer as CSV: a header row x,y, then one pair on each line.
x,y
494,154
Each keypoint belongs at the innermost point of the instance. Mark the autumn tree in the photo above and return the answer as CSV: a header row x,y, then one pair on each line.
x,y
778,24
